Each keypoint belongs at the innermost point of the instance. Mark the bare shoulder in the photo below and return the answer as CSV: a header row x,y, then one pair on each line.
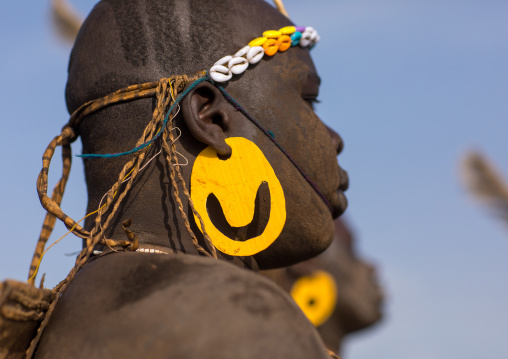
x,y
132,305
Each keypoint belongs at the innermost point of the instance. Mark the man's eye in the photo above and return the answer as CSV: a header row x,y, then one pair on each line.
x,y
311,100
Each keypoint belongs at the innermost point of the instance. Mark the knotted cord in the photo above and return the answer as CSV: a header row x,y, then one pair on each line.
x,y
165,91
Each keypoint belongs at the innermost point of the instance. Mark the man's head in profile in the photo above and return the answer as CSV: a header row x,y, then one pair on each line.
x,y
128,42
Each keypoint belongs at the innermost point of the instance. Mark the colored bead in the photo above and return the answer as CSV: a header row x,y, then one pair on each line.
x,y
272,34
224,60
238,65
242,52
313,33
314,43
220,73
309,37
295,38
284,43
258,42
270,43
288,30
271,47
255,54
306,39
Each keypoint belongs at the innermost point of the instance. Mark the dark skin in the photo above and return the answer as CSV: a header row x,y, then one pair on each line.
x,y
176,306
277,92
359,296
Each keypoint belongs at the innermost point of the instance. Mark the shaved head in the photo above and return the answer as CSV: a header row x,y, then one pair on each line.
x,y
123,42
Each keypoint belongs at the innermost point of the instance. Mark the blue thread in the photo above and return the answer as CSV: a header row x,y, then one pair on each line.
x,y
157,135
237,107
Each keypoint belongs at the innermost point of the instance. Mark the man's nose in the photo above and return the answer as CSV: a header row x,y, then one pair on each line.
x,y
337,142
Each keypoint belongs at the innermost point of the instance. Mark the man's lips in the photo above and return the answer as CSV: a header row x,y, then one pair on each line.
x,y
344,180
339,202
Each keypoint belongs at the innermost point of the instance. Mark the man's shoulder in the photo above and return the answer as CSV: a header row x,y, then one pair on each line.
x,y
179,305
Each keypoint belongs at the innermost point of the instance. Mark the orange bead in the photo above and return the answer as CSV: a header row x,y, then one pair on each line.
x,y
284,43
271,47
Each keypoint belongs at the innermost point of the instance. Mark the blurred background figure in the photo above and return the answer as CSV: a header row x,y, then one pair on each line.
x,y
484,181
338,291
65,20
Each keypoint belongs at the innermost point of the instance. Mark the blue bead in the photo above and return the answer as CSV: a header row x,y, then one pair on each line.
x,y
295,38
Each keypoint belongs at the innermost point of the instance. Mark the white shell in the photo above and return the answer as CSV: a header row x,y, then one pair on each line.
x,y
220,73
238,65
313,36
242,51
306,39
255,54
224,60
304,42
309,37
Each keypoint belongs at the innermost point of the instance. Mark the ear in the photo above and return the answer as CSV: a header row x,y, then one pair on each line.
x,y
207,115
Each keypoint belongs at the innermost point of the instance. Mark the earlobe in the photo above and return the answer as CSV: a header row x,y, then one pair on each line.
x,y
207,116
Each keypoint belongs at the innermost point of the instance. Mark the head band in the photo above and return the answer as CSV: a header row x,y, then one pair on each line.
x,y
269,44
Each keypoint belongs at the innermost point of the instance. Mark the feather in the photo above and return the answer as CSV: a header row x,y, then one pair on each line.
x,y
66,21
485,183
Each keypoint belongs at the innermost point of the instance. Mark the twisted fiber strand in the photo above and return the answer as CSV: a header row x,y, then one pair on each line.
x,y
42,184
179,173
28,302
94,238
332,354
167,151
187,194
83,257
134,164
50,219
60,187
20,315
196,213
164,124
129,93
170,152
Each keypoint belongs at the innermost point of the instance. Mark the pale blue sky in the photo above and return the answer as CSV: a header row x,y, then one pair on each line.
x,y
410,85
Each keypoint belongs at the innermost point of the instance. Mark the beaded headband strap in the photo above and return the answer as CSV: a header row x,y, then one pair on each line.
x,y
269,44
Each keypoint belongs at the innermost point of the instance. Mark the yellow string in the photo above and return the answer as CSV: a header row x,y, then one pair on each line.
x,y
59,239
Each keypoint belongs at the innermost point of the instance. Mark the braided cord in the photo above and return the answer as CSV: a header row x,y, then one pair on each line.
x,y
164,95
159,132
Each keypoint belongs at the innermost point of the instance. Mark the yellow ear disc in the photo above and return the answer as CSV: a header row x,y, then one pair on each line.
x,y
316,295
235,183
